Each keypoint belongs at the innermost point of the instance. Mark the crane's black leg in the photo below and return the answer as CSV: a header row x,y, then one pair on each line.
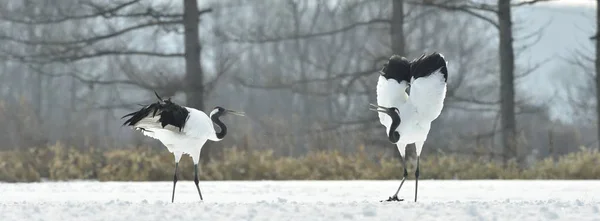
x,y
395,197
417,179
174,183
196,180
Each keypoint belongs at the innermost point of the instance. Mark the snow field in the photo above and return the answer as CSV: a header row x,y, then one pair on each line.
x,y
301,200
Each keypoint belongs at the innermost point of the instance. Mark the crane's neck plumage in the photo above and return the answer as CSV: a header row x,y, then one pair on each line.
x,y
393,135
214,116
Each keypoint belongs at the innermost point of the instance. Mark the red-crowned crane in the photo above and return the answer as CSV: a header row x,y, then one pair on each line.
x,y
183,130
408,117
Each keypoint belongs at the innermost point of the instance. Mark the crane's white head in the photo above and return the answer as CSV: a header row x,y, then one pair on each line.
x,y
219,111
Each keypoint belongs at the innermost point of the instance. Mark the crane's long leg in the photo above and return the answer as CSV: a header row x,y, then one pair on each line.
x,y
174,182
395,197
177,156
402,150
196,180
196,158
418,147
417,179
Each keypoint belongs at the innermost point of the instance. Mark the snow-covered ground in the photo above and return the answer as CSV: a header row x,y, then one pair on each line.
x,y
301,200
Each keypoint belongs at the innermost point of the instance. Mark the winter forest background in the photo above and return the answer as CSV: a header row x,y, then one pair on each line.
x,y
304,71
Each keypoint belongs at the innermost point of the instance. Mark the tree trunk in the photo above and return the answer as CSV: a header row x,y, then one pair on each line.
x,y
70,127
398,39
397,29
301,141
423,29
507,90
597,64
36,101
194,82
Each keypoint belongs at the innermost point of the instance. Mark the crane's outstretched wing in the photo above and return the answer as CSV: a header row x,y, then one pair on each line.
x,y
397,68
390,93
391,86
427,65
164,115
428,85
170,123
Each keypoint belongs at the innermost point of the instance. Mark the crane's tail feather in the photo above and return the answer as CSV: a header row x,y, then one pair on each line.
x,y
157,96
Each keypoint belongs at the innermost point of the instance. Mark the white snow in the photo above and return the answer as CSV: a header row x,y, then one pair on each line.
x,y
301,200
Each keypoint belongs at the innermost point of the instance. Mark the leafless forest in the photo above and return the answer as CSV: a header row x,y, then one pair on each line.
x,y
304,71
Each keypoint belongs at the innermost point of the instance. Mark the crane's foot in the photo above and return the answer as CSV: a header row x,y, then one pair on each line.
x,y
393,199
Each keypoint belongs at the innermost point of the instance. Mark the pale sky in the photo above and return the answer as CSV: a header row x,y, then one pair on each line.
x,y
568,24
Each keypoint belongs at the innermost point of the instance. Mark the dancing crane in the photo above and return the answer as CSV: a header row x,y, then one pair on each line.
x,y
408,117
183,130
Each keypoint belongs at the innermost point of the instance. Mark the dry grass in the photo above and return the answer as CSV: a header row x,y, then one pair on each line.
x,y
58,162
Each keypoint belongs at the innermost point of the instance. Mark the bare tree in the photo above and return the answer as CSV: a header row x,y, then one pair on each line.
x,y
502,11
597,65
105,39
397,28
430,30
303,71
507,88
587,87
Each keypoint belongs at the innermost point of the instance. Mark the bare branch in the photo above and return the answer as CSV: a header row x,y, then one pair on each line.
x,y
313,35
81,79
78,55
531,69
469,9
528,2
99,11
225,65
92,40
10,16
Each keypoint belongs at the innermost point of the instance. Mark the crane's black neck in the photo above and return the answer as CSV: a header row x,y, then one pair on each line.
x,y
393,135
215,119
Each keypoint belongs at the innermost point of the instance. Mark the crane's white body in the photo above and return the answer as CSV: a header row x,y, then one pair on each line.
x,y
197,130
417,111
424,105
410,115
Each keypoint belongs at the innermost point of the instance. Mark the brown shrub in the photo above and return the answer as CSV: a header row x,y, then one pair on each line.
x,y
57,162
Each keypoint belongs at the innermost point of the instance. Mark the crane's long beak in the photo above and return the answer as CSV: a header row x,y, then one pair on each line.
x,y
376,108
238,113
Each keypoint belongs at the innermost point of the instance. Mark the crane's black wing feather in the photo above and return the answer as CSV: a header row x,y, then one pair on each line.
x,y
397,68
427,65
169,112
